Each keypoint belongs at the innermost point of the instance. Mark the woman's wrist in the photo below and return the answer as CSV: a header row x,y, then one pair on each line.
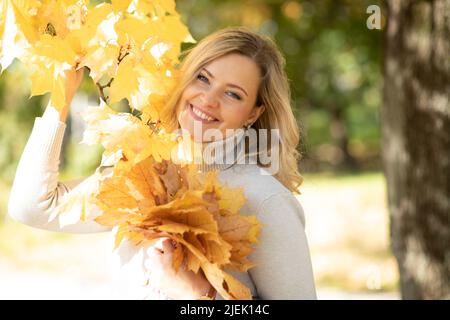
x,y
53,113
63,115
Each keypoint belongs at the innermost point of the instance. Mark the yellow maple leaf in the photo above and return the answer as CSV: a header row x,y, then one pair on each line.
x,y
125,132
226,285
50,57
98,27
231,199
122,196
125,81
13,41
178,257
101,60
120,5
134,30
236,227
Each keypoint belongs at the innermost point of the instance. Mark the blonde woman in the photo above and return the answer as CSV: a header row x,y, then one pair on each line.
x,y
232,79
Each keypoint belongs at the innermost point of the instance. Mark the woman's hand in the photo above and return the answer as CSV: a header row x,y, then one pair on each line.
x,y
181,285
73,81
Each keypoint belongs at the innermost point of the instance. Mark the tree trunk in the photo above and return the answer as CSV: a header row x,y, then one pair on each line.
x,y
339,133
416,143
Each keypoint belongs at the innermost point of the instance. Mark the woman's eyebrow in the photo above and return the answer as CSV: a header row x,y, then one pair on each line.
x,y
229,84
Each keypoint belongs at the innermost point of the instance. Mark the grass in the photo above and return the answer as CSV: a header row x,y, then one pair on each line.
x,y
348,231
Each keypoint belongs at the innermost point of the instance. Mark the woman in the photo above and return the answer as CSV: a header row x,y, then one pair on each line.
x,y
232,79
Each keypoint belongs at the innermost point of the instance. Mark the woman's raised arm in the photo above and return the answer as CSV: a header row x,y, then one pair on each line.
x,y
36,191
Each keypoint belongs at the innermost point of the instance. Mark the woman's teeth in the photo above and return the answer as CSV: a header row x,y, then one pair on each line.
x,y
201,114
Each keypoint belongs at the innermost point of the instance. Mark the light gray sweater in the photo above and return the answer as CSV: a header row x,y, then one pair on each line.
x,y
283,269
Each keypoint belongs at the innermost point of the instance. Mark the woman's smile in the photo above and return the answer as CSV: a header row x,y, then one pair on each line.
x,y
199,115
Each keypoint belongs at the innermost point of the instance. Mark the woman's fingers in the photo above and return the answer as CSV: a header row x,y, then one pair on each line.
x,y
163,246
168,246
160,254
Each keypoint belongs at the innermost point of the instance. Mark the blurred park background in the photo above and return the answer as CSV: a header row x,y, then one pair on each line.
x,y
335,64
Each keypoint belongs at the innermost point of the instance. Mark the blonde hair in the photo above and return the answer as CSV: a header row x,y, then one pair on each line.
x,y
274,92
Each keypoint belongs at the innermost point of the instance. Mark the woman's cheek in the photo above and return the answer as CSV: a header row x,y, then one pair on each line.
x,y
232,117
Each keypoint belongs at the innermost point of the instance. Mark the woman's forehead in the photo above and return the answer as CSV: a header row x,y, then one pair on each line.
x,y
234,69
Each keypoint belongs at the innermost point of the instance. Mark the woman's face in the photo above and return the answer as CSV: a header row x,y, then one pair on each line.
x,y
222,96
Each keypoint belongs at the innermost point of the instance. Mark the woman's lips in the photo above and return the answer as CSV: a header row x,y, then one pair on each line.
x,y
196,117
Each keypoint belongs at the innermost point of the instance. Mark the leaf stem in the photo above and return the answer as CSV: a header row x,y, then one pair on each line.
x,y
102,87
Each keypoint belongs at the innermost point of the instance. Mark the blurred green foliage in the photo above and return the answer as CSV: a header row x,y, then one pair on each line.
x,y
332,60
17,114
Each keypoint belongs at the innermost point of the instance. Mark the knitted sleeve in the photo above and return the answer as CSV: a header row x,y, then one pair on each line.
x,y
283,265
36,190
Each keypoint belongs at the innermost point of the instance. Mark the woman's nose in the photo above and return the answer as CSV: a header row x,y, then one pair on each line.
x,y
209,99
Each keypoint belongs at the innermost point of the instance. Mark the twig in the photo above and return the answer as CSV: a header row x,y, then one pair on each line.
x,y
102,87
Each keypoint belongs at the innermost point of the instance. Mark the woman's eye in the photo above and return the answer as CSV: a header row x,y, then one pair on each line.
x,y
202,78
205,79
235,95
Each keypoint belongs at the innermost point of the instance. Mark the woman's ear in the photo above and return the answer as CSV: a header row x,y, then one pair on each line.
x,y
255,114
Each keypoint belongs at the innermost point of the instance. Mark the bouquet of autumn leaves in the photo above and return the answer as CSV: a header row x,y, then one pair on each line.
x,y
157,198
131,48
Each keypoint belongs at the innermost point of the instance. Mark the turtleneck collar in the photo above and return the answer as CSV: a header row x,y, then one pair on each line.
x,y
220,154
